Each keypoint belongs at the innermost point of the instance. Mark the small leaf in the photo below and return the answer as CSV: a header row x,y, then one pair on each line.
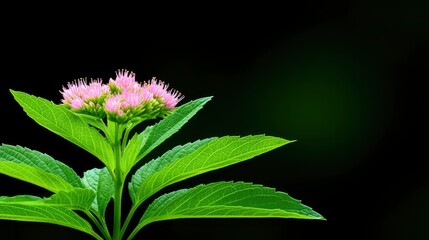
x,y
159,132
15,209
92,120
99,181
214,154
131,152
35,159
226,200
66,124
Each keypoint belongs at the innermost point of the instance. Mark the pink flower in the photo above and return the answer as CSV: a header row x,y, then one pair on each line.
x,y
135,99
76,103
73,91
95,89
125,80
159,89
114,104
127,101
79,94
172,99
122,99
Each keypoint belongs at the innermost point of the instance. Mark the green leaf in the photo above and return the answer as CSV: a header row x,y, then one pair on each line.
x,y
195,159
19,199
38,160
99,181
156,165
131,152
76,199
66,124
34,175
92,120
226,200
159,132
21,209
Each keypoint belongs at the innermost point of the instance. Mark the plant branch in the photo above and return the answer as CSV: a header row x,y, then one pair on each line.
x,y
102,227
128,219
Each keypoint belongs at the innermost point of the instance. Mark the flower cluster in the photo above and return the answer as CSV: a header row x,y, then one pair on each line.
x,y
122,99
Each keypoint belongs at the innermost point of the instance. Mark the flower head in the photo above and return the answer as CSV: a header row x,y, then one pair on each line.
x,y
114,105
122,99
122,107
85,97
124,81
160,90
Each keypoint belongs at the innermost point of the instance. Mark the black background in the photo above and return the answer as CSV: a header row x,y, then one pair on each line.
x,y
346,79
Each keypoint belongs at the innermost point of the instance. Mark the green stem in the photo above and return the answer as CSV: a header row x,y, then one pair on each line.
x,y
125,139
119,185
136,230
117,211
102,228
128,219
103,223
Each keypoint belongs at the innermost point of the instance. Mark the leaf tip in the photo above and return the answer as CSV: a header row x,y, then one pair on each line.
x,y
15,93
206,99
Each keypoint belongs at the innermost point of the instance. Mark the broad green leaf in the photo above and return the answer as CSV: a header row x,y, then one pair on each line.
x,y
159,132
44,162
194,160
99,181
156,165
35,175
226,200
66,124
20,211
78,198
